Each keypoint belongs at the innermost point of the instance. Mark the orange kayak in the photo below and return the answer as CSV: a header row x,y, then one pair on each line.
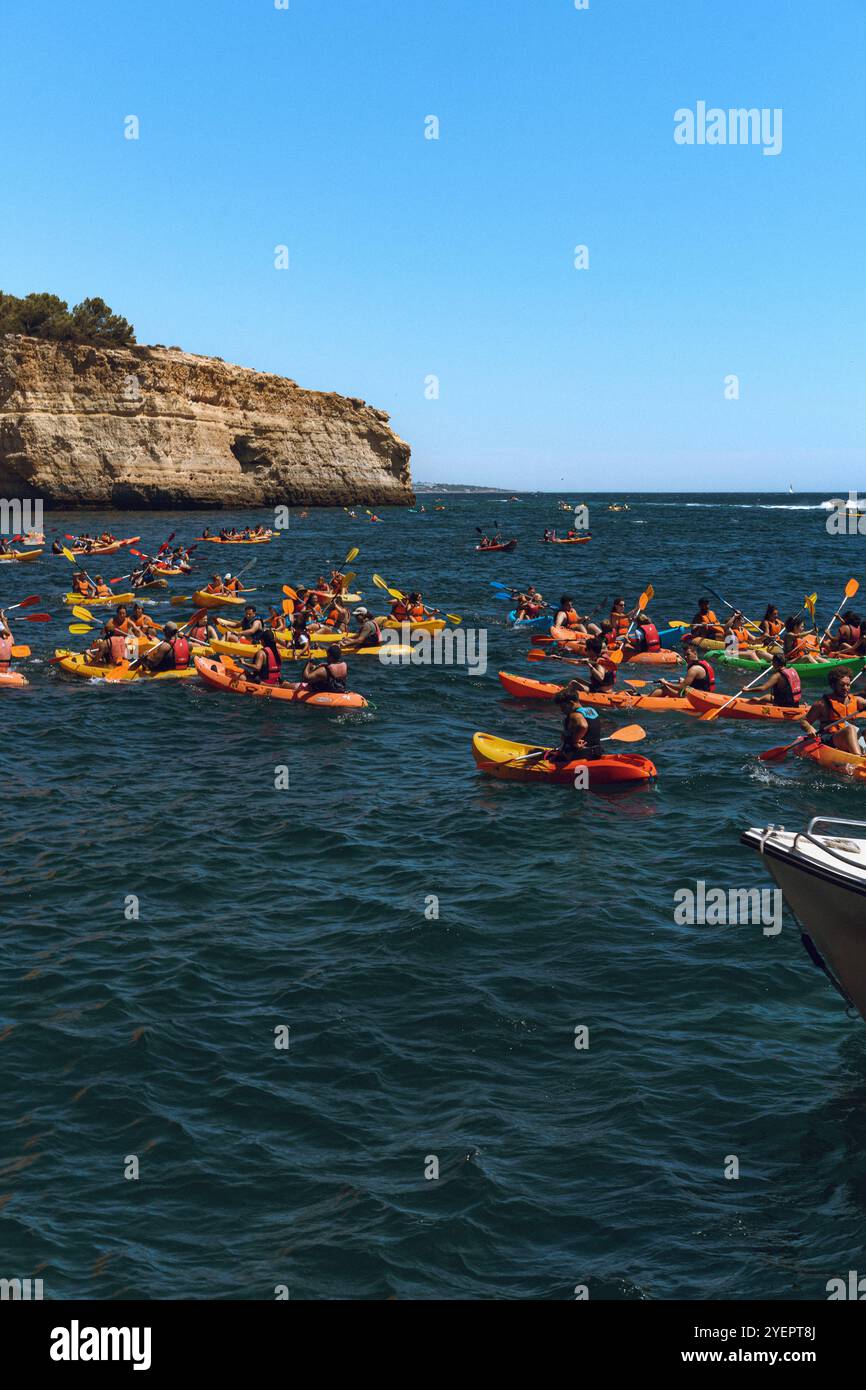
x,y
213,673
519,762
576,642
522,688
704,700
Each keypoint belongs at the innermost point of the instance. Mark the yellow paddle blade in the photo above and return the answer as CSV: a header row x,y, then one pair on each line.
x,y
73,559
677,622
85,614
454,618
352,555
78,628
288,605
379,582
350,576
289,591
395,593
632,733
21,650
117,673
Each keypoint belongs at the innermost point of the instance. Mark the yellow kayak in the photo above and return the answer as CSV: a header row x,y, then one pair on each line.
x,y
77,664
205,600
414,624
21,556
111,602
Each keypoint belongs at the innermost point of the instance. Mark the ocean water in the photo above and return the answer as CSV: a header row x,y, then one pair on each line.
x,y
147,1042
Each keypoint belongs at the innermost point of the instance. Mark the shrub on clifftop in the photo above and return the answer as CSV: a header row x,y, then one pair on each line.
x,y
46,316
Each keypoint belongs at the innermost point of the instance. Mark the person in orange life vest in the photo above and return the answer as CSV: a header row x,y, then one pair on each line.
x,y
121,620
338,581
110,648
620,620
171,654
771,625
265,666
799,645
276,620
705,623
736,633
102,589
251,628
330,675
368,633
568,616
783,683
644,635
848,639
829,717
299,640
215,585
5,643
699,674
81,584
232,584
336,616
139,622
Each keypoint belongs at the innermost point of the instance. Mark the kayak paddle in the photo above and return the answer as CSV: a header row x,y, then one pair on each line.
x,y
629,733
24,603
709,715
776,755
850,590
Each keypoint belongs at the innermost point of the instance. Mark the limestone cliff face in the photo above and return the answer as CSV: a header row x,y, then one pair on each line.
x,y
153,426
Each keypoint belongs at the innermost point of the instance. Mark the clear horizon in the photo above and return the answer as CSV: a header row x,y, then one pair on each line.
x,y
411,258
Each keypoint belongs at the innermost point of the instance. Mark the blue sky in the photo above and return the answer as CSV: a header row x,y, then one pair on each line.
x,y
411,257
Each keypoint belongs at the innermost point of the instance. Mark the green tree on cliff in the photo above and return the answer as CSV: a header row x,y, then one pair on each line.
x,y
47,316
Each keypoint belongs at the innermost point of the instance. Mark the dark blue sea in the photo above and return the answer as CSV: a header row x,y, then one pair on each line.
x,y
416,1042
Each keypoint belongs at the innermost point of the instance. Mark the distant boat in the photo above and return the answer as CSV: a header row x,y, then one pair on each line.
x,y
790,487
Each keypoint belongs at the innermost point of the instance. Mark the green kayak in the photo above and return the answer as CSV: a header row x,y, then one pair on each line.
x,y
806,670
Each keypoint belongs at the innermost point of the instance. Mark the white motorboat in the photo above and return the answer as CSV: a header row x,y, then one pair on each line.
x,y
823,881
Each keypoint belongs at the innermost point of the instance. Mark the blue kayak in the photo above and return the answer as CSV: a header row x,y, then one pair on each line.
x,y
531,624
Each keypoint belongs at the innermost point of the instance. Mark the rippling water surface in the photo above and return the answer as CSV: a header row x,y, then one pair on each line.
x,y
413,1039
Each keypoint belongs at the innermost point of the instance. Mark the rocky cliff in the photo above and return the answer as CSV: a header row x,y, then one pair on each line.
x,y
154,426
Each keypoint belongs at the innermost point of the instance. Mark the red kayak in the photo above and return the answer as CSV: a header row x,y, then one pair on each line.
x,y
505,545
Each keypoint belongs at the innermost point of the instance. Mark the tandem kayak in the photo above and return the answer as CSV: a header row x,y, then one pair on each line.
x,y
110,602
498,757
806,670
248,649
19,556
576,642
413,624
253,540
528,624
214,674
110,549
704,700
505,545
206,600
76,664
523,688
566,540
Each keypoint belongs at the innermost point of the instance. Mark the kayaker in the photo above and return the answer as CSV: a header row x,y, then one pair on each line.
x,y
783,684
643,637
400,610
251,627
110,648
81,584
699,675
620,620
581,728
848,640
601,671
102,589
736,633
215,585
771,625
171,654
232,583
5,644
276,620
829,718
205,535
140,621
547,534
336,616
705,623
329,675
799,645
368,633
265,666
